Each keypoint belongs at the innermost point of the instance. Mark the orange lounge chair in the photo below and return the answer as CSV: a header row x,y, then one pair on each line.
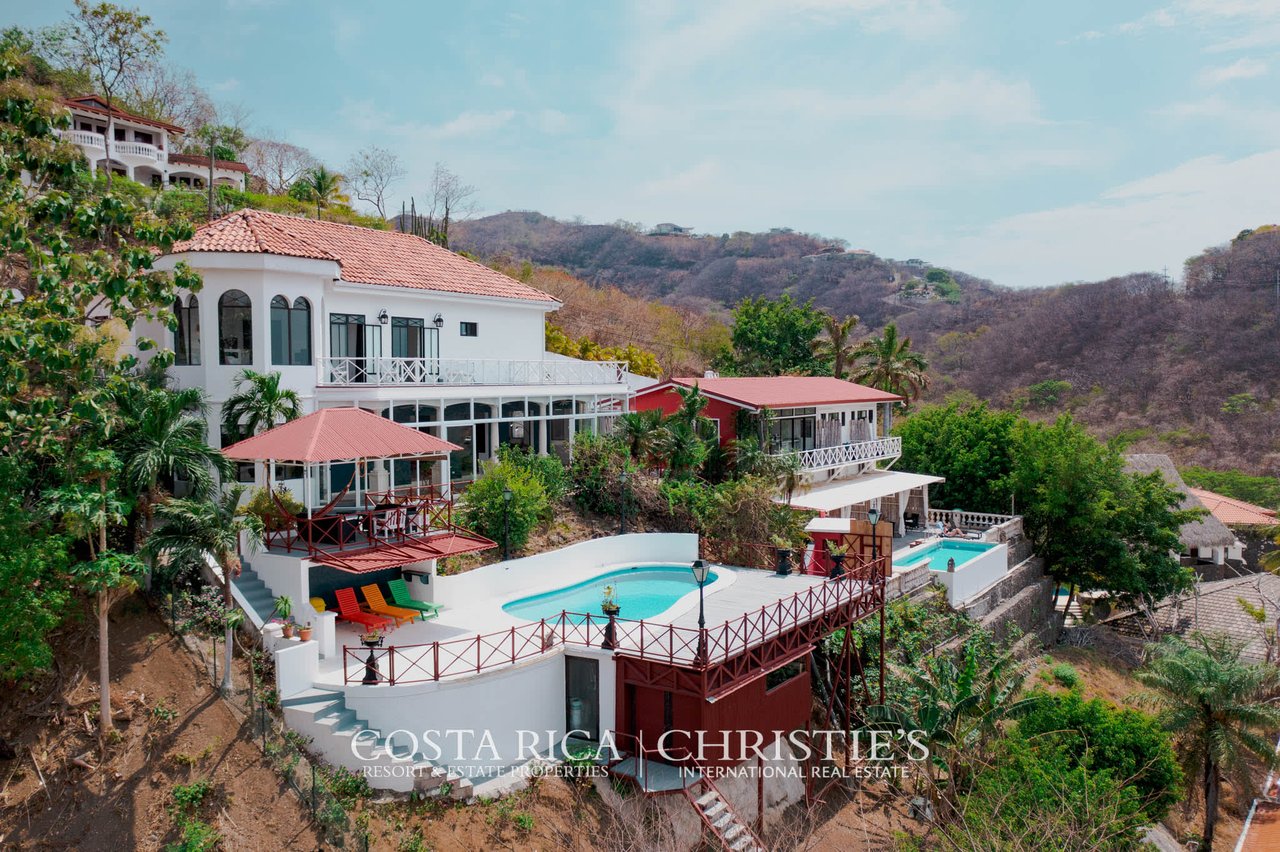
x,y
377,603
349,610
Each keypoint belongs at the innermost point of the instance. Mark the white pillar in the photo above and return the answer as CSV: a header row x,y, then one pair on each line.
x,y
325,633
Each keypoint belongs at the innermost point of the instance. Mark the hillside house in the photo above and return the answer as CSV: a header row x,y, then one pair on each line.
x,y
670,229
1206,541
142,149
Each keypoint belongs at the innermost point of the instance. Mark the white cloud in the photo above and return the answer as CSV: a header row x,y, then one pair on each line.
x,y
1147,224
471,123
1242,69
691,183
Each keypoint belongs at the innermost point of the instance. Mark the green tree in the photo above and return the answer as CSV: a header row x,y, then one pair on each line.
x,y
775,337
259,403
639,430
835,346
1219,708
693,404
1261,490
887,362
31,561
1129,745
972,447
680,448
192,531
111,43
485,509
320,186
595,470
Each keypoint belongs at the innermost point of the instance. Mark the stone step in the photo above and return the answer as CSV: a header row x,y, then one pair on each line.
x,y
744,843
708,798
714,810
733,831
309,697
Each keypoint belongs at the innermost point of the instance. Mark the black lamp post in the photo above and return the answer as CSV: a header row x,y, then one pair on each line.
x,y
506,523
700,575
622,507
873,515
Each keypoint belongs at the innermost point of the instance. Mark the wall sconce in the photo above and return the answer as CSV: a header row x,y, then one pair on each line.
x,y
438,320
383,319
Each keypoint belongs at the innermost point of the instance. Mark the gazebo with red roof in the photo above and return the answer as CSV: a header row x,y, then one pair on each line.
x,y
367,497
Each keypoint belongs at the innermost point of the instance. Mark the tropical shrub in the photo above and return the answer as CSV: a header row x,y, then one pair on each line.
x,y
484,509
1066,675
548,470
597,462
1127,745
261,505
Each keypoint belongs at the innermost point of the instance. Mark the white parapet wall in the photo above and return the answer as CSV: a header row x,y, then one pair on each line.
x,y
973,576
566,566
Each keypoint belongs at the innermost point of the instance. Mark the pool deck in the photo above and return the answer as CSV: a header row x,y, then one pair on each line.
x,y
750,590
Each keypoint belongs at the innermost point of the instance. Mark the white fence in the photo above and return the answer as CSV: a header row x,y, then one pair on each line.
x,y
468,371
135,149
843,454
83,138
968,520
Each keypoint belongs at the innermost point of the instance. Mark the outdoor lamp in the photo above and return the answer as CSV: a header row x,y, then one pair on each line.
x,y
438,320
383,318
700,571
507,495
873,515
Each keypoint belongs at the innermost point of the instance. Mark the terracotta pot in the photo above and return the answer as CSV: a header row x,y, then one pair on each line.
x,y
304,633
287,630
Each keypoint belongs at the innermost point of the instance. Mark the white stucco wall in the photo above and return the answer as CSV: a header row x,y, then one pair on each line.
x,y
974,576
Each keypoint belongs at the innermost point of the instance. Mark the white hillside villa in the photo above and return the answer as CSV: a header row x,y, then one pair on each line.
x,y
388,322
142,149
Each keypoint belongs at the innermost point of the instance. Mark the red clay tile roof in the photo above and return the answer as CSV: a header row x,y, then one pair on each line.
x,y
1232,512
384,556
337,434
197,160
95,103
1262,834
784,391
366,255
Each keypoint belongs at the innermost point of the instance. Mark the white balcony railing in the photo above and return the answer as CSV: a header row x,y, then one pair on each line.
x,y
467,371
140,150
84,138
968,520
823,458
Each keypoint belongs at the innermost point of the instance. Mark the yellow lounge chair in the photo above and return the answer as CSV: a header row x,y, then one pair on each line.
x,y
377,604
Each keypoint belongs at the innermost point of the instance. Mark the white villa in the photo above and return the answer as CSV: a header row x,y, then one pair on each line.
x,y
388,322
142,149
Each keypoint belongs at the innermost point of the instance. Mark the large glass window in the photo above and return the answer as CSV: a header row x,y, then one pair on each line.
x,y
235,328
792,429
186,342
354,347
407,337
290,332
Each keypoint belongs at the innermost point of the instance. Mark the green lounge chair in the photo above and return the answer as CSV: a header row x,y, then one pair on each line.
x,y
400,594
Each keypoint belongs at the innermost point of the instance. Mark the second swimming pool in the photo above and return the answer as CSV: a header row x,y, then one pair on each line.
x,y
940,552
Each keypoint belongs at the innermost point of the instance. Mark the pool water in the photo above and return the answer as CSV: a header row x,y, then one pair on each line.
x,y
641,592
939,552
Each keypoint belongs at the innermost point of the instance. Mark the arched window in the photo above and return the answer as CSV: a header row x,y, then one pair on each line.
x,y
290,332
186,338
235,329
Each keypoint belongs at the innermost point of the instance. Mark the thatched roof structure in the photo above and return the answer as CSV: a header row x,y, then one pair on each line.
x,y
1208,531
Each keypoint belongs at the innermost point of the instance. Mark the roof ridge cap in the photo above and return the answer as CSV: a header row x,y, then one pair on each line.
x,y
280,229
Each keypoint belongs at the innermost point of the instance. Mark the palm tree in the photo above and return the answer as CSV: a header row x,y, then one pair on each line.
x,y
192,530
1215,704
692,404
887,363
321,186
1270,561
639,430
837,345
681,448
258,404
166,440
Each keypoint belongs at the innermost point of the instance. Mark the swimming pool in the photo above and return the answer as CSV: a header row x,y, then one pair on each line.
x,y
642,591
938,553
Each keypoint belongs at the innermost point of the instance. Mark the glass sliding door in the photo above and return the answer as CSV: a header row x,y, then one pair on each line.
x,y
354,348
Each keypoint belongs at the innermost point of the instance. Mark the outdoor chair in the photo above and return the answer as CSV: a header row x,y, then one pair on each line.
x,y
349,610
377,603
400,594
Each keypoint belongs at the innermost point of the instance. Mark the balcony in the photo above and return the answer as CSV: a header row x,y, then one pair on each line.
x,y
467,371
839,455
135,150
84,139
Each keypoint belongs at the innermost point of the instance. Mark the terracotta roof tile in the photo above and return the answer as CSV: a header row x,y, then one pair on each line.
x,y
366,255
197,160
786,391
337,434
1232,512
96,104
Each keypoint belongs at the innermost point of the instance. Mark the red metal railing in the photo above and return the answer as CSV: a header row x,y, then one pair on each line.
x,y
858,593
397,518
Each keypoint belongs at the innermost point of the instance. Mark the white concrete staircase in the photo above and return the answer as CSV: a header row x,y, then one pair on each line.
x,y
733,832
321,713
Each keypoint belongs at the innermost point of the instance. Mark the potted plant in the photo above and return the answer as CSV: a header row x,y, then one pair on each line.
x,y
371,638
304,632
837,552
784,556
284,610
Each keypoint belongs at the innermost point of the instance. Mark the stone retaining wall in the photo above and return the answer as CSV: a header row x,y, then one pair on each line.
x,y
1022,598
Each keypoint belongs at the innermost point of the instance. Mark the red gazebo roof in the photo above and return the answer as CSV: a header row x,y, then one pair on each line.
x,y
337,434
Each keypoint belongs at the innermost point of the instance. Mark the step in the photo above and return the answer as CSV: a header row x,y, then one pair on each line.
x,y
723,822
744,843
307,697
733,831
707,798
715,809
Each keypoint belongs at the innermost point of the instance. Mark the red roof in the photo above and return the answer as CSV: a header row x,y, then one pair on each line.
x,y
1262,833
337,434
366,255
418,550
1232,512
197,160
758,392
95,103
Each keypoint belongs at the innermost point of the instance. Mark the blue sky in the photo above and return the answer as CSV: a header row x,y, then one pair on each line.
x,y
1030,142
